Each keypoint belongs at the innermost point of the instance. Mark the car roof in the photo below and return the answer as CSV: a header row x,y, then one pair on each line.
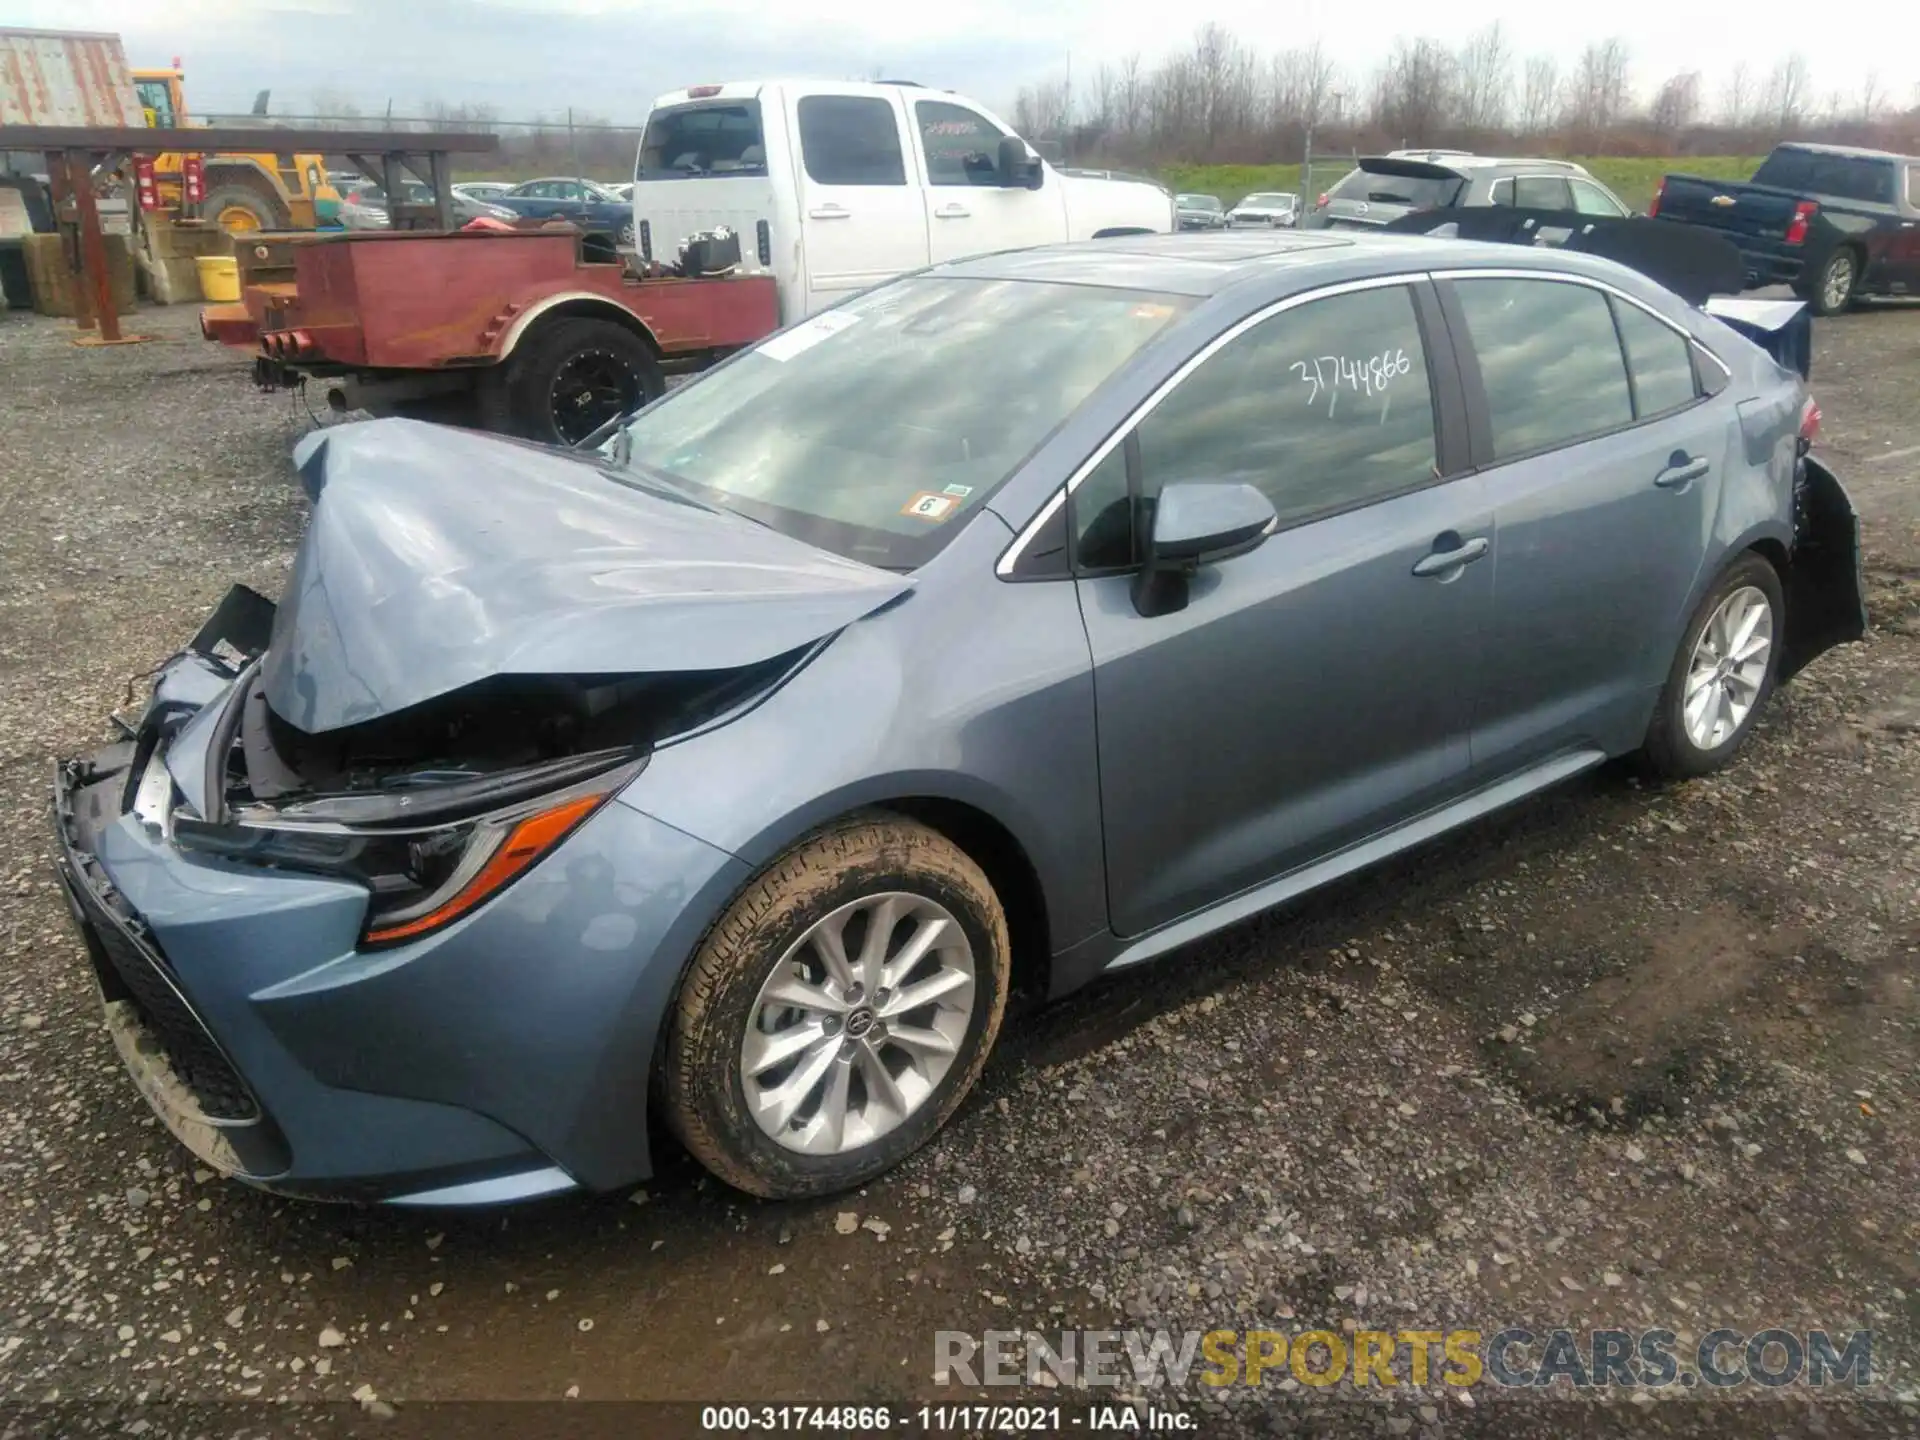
x,y
1203,265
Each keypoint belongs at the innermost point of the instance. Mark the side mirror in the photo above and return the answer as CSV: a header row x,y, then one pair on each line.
x,y
1195,524
1020,168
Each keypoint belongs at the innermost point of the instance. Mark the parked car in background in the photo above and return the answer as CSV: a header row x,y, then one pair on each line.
x,y
363,205
485,191
1200,212
1273,209
1382,188
591,207
1213,571
834,186
1832,221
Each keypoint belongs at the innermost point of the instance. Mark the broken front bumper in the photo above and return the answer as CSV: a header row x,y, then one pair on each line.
x,y
503,1057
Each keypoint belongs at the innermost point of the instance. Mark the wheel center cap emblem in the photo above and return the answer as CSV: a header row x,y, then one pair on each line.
x,y
859,1023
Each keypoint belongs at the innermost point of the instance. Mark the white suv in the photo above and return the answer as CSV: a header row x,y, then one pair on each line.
x,y
834,186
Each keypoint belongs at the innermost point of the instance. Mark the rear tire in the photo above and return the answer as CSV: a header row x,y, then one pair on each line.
x,y
1713,698
781,1099
1835,284
570,376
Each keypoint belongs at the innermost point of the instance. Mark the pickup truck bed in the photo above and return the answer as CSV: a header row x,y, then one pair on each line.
x,y
1833,223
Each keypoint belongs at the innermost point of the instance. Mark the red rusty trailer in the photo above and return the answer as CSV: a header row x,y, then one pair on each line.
x,y
511,330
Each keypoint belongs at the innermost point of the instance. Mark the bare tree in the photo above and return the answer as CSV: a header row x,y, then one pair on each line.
x,y
1130,97
1485,66
1872,98
1788,88
1415,92
1676,104
1040,112
1736,98
1539,94
1597,89
1299,86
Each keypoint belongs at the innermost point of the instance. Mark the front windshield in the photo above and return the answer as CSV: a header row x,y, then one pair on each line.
x,y
1200,202
876,428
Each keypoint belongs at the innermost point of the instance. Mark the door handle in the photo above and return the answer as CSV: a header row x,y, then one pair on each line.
x,y
1681,472
1446,562
952,212
829,212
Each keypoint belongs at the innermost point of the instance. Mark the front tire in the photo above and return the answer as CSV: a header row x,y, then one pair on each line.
x,y
839,1012
1723,675
240,207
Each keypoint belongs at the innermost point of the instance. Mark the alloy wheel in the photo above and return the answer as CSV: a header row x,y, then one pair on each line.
x,y
1728,668
1838,283
858,1024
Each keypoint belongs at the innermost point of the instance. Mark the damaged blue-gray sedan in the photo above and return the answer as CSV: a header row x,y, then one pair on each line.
x,y
1011,624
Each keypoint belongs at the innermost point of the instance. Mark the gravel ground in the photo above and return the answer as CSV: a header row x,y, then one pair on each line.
x,y
1625,1055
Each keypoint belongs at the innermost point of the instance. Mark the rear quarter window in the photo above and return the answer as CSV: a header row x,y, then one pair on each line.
x,y
1659,360
1789,169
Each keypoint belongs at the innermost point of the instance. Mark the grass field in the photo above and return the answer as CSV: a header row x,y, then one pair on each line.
x,y
1632,178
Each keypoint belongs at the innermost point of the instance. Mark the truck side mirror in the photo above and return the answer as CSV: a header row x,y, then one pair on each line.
x,y
1020,168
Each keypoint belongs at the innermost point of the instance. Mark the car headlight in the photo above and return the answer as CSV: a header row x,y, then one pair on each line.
x,y
427,854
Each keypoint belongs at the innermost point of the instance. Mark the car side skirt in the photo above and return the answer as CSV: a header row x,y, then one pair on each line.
x,y
1358,856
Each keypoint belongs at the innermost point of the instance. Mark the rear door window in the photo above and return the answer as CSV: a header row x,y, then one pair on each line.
x,y
1541,192
691,142
851,140
1550,362
962,145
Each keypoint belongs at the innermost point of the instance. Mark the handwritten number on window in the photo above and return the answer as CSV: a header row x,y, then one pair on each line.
x,y
1368,375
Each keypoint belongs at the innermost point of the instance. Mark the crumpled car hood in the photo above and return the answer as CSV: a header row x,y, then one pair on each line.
x,y
438,557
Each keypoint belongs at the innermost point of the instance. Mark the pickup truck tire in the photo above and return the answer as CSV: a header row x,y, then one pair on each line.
x,y
762,1011
569,376
1835,283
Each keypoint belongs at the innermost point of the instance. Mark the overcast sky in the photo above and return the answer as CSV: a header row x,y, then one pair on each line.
x,y
611,57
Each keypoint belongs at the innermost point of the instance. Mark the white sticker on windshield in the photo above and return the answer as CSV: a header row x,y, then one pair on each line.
x,y
807,334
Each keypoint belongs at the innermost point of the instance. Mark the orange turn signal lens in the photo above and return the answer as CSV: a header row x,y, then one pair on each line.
x,y
525,843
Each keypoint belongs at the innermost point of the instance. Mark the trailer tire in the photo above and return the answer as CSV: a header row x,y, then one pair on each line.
x,y
569,376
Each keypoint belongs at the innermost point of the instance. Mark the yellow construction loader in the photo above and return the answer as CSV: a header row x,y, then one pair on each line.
x,y
244,192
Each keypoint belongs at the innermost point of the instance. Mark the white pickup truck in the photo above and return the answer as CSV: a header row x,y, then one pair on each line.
x,y
834,186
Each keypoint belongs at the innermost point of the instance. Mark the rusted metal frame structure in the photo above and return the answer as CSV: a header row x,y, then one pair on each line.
x,y
73,153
